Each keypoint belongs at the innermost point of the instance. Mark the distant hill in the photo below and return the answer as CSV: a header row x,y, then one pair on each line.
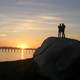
x,y
59,59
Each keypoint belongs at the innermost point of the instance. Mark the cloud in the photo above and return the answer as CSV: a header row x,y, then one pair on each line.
x,y
23,23
32,2
50,18
22,2
3,35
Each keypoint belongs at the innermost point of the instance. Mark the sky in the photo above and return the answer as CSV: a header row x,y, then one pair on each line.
x,y
28,22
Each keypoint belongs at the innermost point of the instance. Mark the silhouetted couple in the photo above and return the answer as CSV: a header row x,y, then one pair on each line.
x,y
61,30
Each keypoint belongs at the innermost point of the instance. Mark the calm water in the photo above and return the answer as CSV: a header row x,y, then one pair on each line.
x,y
11,56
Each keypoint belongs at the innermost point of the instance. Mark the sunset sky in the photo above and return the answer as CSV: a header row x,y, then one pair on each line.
x,y
28,22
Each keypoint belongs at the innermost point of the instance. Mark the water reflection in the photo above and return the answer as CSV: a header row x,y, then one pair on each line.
x,y
22,54
17,55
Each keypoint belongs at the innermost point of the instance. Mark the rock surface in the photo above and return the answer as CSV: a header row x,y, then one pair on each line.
x,y
59,59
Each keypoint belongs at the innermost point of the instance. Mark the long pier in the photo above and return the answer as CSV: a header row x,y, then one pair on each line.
x,y
18,50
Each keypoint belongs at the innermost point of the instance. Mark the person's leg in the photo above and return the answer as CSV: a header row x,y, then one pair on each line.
x,y
63,34
59,34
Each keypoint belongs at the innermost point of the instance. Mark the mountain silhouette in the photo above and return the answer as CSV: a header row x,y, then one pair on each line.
x,y
59,59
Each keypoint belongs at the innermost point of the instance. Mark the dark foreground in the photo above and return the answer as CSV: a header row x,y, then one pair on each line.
x,y
56,59
20,70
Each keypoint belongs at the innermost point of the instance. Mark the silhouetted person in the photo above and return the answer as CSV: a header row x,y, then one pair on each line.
x,y
61,31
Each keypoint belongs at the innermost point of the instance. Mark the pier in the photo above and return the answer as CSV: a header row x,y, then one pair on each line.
x,y
18,50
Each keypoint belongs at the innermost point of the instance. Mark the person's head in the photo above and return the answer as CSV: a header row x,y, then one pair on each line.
x,y
62,23
59,24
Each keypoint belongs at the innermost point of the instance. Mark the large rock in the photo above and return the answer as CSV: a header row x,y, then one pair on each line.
x,y
59,59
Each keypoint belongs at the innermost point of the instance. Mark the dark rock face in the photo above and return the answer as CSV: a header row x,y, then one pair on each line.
x,y
20,70
59,59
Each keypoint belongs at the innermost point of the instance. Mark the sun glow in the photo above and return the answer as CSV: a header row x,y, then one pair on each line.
x,y
22,46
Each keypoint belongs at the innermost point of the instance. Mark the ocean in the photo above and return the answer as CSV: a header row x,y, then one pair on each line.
x,y
17,55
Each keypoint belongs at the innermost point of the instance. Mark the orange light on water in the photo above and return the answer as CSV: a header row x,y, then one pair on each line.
x,y
22,46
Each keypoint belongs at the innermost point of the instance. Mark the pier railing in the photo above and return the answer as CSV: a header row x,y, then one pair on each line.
x,y
18,50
